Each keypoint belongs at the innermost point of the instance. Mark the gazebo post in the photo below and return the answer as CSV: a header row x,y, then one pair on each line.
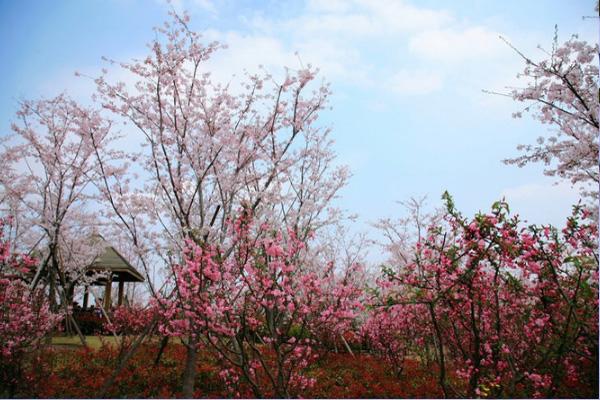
x,y
85,297
108,294
121,287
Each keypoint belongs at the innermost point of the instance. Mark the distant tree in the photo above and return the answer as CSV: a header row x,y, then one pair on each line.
x,y
401,235
46,186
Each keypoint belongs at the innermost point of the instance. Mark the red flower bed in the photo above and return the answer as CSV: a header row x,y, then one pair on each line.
x,y
364,376
81,373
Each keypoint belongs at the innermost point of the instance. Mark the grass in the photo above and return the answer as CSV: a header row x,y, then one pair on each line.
x,y
93,342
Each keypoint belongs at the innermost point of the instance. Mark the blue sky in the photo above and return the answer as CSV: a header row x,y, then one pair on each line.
x,y
408,116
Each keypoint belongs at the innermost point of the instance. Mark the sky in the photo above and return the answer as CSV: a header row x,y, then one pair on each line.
x,y
408,113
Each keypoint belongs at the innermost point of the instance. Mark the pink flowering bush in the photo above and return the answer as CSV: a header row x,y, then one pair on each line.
x,y
257,311
510,310
25,317
130,320
390,332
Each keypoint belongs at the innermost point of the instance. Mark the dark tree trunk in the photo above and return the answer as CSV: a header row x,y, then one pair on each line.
x,y
123,361
440,351
189,373
163,345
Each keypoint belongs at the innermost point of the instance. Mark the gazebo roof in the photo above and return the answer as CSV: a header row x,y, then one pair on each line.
x,y
111,260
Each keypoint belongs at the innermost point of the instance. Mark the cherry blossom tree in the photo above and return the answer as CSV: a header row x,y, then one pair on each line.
x,y
390,331
49,166
208,150
562,92
401,235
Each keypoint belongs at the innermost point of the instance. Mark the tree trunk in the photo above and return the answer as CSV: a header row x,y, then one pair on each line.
x,y
123,361
347,346
108,294
476,354
67,299
52,291
440,351
189,373
163,344
86,297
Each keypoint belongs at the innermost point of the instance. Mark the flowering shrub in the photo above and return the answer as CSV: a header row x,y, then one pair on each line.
x,y
25,317
258,311
512,309
127,320
82,372
390,333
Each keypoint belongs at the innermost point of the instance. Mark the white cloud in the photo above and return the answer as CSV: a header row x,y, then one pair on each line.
x,y
370,44
363,19
542,202
398,16
361,42
452,45
206,5
328,5
337,36
247,52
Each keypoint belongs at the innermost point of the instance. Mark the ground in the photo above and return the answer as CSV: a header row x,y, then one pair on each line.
x,y
68,370
76,372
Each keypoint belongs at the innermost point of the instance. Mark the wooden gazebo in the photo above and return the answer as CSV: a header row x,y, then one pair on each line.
x,y
118,269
